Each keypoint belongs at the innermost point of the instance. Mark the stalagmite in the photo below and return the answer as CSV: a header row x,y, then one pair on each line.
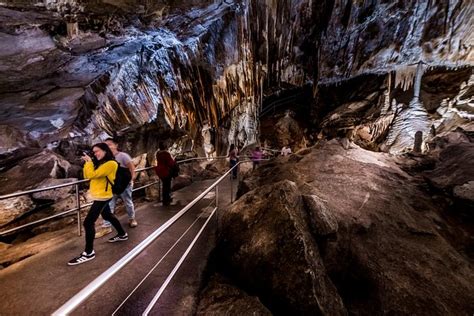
x,y
418,142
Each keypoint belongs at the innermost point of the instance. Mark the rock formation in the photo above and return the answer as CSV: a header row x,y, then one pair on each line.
x,y
345,223
348,231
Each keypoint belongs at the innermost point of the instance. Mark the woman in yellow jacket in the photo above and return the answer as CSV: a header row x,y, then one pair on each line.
x,y
103,168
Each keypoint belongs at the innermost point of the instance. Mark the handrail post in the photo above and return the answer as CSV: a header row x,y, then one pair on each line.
x,y
231,188
78,205
217,196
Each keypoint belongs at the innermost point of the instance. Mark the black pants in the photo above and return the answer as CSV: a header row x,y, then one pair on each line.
x,y
98,208
166,193
234,172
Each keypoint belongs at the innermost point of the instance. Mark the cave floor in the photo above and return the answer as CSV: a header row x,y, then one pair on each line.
x,y
42,283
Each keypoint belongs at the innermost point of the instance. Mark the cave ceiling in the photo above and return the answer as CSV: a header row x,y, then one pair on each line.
x,y
73,69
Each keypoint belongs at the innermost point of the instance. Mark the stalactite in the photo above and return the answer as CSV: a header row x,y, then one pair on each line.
x,y
404,76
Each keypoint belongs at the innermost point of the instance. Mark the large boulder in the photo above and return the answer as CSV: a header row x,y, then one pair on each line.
x,y
267,245
465,191
13,208
35,245
56,194
180,182
455,166
352,232
31,171
11,139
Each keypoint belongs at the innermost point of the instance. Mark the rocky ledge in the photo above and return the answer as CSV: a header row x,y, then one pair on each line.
x,y
340,231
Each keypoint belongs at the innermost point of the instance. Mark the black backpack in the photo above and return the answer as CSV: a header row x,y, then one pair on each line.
x,y
122,179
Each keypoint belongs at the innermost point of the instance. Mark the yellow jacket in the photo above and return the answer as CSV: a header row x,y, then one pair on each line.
x,y
98,184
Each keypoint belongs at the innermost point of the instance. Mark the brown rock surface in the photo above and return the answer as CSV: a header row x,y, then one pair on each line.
x,y
221,298
181,182
389,249
33,246
55,194
13,208
266,242
33,170
455,166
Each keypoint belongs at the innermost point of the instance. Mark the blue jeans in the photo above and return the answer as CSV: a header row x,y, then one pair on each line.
x,y
127,200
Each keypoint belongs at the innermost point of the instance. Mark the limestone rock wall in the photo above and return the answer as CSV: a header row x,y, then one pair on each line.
x,y
419,52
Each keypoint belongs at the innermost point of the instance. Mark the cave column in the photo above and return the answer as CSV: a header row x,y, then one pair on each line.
x,y
417,86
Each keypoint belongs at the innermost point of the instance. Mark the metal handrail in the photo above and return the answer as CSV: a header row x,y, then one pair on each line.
x,y
279,102
11,195
78,204
67,212
201,158
80,297
178,265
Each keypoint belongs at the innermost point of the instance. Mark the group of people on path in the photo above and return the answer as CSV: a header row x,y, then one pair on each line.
x,y
256,157
103,172
104,169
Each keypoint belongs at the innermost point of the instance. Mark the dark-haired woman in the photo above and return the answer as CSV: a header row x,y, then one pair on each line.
x,y
104,167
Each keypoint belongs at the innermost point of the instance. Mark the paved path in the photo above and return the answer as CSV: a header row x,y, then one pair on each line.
x,y
41,284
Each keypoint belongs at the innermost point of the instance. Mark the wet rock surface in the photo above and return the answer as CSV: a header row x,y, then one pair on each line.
x,y
374,234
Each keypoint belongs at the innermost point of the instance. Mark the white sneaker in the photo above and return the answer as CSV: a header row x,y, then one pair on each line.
x,y
84,257
132,223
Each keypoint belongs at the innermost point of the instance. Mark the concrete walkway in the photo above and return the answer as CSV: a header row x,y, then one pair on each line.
x,y
41,284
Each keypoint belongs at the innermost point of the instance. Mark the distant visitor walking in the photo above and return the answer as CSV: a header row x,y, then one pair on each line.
x,y
125,161
285,151
233,159
165,165
256,157
98,170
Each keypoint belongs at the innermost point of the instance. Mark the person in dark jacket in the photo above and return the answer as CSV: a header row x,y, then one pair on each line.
x,y
163,169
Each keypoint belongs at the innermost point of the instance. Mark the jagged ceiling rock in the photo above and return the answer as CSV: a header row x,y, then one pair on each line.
x,y
380,36
200,64
357,40
12,139
177,77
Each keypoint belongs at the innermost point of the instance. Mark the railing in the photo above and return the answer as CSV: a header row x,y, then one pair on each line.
x,y
278,103
79,206
86,292
68,212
